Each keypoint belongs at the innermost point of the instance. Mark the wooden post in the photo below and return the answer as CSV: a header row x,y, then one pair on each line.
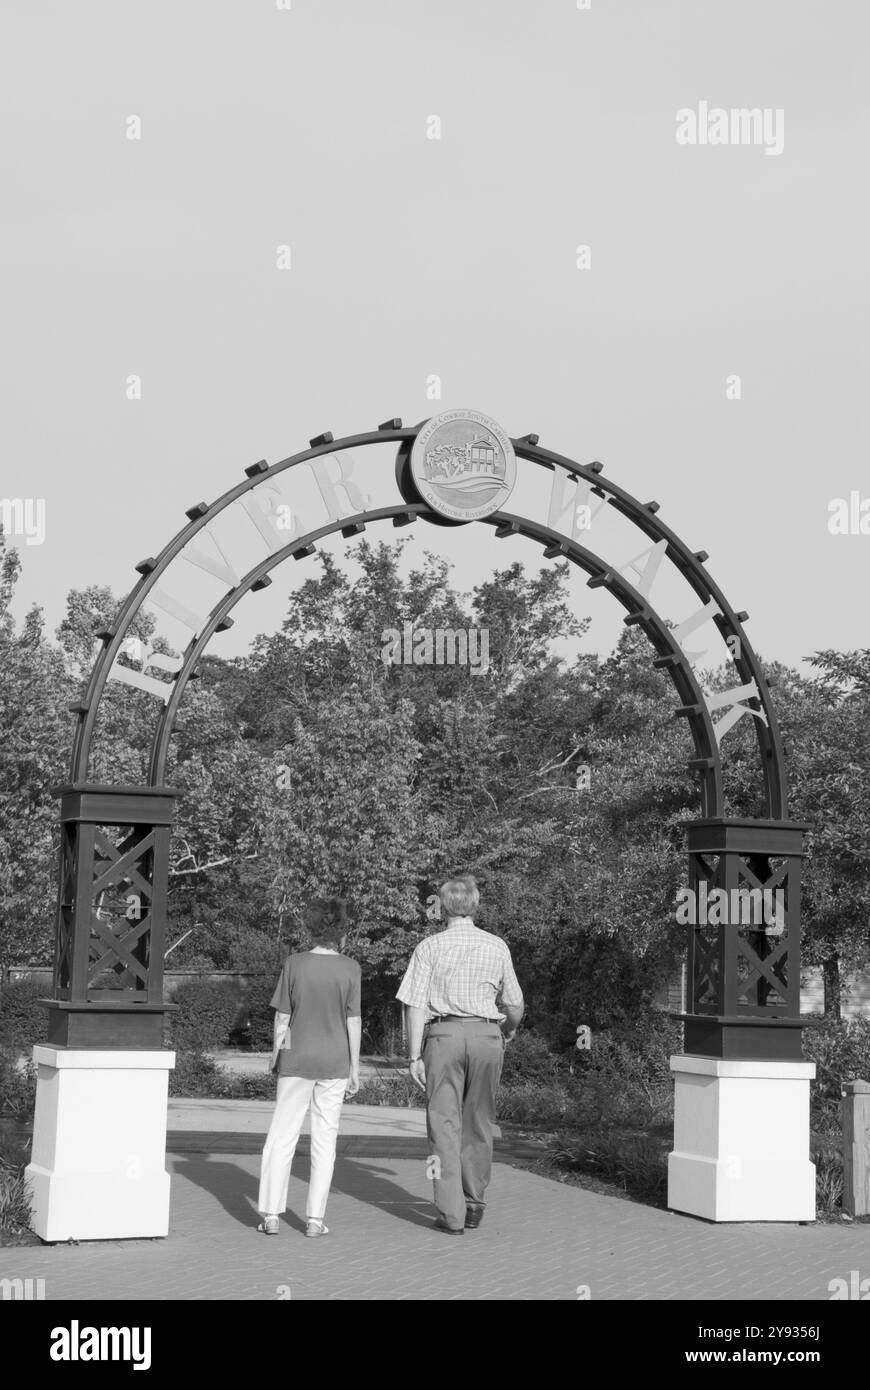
x,y
856,1148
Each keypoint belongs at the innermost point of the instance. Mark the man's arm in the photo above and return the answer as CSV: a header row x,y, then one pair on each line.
x,y
279,1032
514,1014
416,1020
354,1034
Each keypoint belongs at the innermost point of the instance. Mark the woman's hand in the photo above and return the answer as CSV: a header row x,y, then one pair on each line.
x,y
352,1082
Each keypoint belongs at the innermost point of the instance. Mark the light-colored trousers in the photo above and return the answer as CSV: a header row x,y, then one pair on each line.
x,y
296,1094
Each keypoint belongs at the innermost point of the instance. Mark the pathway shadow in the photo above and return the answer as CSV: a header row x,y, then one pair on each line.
x,y
237,1190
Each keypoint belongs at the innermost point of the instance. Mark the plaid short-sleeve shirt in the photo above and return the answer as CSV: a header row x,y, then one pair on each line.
x,y
461,970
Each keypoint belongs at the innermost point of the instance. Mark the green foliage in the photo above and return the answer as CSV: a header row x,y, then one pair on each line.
x,y
528,1059
636,1162
15,1192
840,1049
23,1020
205,1016
17,1086
198,1075
396,1088
256,1020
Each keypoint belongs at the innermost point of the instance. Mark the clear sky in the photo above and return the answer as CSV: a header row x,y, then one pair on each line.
x,y
457,257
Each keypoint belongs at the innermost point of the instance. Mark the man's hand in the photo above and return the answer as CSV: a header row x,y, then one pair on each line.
x,y
418,1072
352,1082
509,1036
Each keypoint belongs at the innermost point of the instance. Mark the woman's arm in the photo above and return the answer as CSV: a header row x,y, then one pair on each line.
x,y
281,1024
354,1034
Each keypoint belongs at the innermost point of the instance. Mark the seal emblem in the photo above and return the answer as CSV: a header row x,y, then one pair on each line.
x,y
462,464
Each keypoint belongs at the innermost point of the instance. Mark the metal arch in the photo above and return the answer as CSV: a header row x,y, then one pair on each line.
x,y
642,516
691,567
640,613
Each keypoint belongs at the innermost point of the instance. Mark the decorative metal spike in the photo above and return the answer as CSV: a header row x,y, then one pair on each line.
x,y
651,507
597,467
353,530
670,660
404,518
255,468
701,764
597,491
78,708
687,711
506,528
634,619
701,556
262,583
224,624
742,616
528,439
194,513
304,551
105,634
325,438
556,548
146,566
599,581
394,424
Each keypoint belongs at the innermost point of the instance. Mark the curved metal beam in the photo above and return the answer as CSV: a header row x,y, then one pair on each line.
x,y
641,613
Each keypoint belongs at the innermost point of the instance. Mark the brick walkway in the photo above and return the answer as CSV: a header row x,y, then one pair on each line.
x,y
540,1240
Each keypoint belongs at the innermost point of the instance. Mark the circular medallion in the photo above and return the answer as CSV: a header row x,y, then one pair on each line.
x,y
462,464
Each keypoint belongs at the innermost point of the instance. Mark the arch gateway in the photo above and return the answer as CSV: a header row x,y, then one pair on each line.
x,y
741,1140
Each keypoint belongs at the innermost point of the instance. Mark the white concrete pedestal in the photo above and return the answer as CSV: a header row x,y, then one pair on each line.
x,y
742,1140
98,1168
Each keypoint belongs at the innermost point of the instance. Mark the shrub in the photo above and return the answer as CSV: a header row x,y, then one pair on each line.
x,y
205,1016
198,1075
395,1089
536,1103
626,1077
195,1074
15,1197
841,1052
254,1028
528,1058
17,1087
23,1020
635,1162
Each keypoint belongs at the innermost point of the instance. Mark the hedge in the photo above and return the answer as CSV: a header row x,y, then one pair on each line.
x,y
206,1013
23,1020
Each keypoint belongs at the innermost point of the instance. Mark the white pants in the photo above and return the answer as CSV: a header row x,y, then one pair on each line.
x,y
295,1095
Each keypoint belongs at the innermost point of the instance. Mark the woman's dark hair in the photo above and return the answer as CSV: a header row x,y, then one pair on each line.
x,y
326,920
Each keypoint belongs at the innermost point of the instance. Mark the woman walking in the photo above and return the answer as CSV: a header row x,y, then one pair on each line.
x,y
316,1056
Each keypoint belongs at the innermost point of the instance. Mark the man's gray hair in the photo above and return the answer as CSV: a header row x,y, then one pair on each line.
x,y
459,896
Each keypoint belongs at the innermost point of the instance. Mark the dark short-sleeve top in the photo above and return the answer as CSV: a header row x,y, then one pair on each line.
x,y
319,991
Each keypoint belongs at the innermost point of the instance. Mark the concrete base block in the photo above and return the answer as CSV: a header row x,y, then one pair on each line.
x,y
98,1168
741,1140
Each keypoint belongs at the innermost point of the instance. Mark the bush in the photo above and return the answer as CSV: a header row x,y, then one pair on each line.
x,y
395,1089
205,1016
17,1087
625,1077
254,1028
23,1020
528,1058
841,1052
198,1075
533,1103
635,1162
15,1196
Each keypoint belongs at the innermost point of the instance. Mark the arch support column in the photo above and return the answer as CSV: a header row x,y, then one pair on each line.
x,y
742,1088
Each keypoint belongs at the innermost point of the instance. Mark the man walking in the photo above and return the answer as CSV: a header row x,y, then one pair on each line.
x,y
457,1036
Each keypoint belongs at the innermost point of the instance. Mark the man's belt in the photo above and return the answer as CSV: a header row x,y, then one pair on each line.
x,y
460,1018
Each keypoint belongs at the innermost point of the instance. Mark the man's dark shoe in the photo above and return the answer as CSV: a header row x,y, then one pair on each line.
x,y
473,1218
441,1225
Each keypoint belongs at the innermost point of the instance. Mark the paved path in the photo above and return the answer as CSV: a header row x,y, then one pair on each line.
x,y
540,1240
